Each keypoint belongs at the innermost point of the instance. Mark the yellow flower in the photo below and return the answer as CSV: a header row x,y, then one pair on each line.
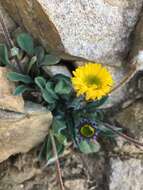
x,y
92,80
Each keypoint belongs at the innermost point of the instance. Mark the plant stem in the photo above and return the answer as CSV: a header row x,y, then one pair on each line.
x,y
57,164
130,139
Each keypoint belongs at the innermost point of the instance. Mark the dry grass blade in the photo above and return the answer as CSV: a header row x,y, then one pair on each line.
x,y
130,139
55,154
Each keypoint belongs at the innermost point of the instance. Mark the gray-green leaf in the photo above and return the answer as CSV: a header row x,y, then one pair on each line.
x,y
63,88
50,59
39,52
4,54
17,77
26,43
41,82
89,147
20,90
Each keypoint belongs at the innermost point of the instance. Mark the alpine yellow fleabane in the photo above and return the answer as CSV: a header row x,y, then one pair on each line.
x,y
92,80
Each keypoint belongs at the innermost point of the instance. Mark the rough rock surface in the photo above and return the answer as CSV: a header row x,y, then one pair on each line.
x,y
22,132
57,69
132,119
137,37
127,174
25,172
9,23
7,100
95,30
126,167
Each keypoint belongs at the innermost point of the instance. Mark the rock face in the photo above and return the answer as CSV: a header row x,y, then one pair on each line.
x,y
127,174
132,119
7,100
96,30
127,171
21,132
57,69
138,37
9,23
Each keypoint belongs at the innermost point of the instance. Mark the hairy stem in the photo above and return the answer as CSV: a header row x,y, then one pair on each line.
x,y
57,164
130,139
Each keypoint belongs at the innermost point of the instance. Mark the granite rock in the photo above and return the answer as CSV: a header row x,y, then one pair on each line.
x,y
20,132
126,174
96,30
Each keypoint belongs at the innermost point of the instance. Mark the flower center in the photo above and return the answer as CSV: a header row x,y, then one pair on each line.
x,y
87,130
93,80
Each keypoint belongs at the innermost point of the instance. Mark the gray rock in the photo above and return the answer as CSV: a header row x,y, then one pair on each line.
x,y
137,44
127,174
57,69
95,30
20,132
132,119
76,184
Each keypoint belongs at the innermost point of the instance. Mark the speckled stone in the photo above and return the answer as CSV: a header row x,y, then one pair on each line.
x,y
97,30
127,174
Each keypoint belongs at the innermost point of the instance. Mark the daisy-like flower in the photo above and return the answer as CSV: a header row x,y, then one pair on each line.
x,y
87,130
92,80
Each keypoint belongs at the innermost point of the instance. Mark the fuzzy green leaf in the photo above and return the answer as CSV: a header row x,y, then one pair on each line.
x,y
77,103
39,52
17,77
4,54
50,59
92,106
61,139
59,77
57,127
89,147
20,90
46,152
41,82
50,90
26,43
63,88
48,97
31,63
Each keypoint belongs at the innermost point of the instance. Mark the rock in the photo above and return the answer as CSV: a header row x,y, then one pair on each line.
x,y
76,184
94,166
20,132
119,94
57,69
137,43
126,174
10,24
132,119
94,30
7,100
